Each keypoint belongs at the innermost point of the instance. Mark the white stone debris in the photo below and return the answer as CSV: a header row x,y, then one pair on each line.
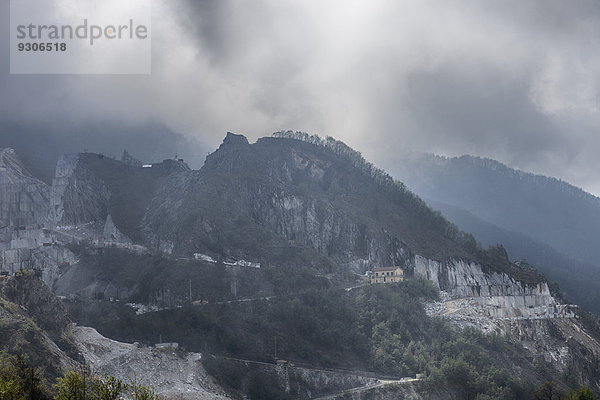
x,y
204,257
172,374
242,263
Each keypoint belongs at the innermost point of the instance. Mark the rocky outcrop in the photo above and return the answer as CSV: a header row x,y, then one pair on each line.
x,y
27,290
489,294
23,198
50,260
26,242
112,233
78,196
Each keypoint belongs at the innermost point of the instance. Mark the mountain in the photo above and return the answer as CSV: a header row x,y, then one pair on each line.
x,y
546,209
285,192
552,224
257,261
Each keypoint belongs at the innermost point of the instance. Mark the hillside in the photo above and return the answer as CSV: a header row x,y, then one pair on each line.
x,y
545,209
88,187
35,324
251,200
257,261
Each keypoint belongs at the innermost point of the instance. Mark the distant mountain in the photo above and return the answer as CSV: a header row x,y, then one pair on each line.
x,y
546,209
552,224
41,145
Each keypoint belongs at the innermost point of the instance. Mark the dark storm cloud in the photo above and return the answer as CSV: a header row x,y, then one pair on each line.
x,y
513,80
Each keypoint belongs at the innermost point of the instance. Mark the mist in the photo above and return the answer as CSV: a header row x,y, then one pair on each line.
x,y
511,81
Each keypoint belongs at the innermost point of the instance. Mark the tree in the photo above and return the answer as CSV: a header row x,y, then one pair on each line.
x,y
109,388
73,386
548,391
19,380
584,393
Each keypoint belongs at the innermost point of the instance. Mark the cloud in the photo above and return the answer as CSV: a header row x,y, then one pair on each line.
x,y
512,80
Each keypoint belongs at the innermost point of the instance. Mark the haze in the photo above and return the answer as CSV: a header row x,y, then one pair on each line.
x,y
511,80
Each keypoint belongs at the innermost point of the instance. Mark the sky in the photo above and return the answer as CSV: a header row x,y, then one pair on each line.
x,y
511,80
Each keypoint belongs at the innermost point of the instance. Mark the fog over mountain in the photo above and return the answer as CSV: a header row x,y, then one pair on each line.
x,y
513,81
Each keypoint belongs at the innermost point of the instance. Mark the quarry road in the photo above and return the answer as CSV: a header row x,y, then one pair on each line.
x,y
365,388
347,289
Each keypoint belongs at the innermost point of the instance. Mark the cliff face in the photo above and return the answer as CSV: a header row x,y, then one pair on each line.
x,y
109,196
23,198
491,294
25,237
77,196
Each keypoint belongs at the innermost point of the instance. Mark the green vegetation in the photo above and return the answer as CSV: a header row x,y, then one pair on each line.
x,y
549,391
380,328
85,386
20,381
21,336
156,279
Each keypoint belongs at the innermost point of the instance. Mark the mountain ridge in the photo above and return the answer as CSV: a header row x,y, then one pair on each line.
x,y
222,257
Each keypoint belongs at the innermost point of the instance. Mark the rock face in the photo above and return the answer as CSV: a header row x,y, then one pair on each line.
x,y
109,196
112,233
23,198
78,196
25,238
494,294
